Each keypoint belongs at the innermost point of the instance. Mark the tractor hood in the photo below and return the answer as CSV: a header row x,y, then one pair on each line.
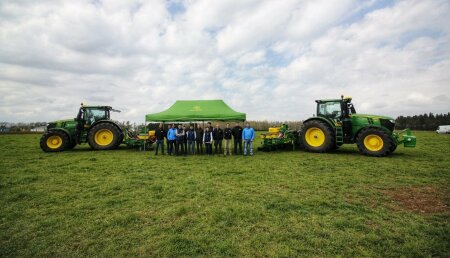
x,y
372,116
60,123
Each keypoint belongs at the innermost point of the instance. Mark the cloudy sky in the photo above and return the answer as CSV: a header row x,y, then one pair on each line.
x,y
268,58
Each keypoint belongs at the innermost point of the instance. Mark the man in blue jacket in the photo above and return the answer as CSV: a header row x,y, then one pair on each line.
x,y
171,136
248,135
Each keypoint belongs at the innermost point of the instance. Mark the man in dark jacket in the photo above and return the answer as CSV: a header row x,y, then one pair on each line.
x,y
237,135
227,135
211,128
199,135
217,137
185,139
160,133
179,140
191,136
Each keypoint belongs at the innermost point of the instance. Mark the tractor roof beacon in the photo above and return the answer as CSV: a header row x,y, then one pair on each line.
x,y
337,123
92,125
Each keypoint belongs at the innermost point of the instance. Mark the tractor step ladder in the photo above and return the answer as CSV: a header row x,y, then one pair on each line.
x,y
339,135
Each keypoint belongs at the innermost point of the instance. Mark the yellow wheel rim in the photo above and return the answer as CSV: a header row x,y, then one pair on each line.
x,y
104,137
315,137
373,142
54,142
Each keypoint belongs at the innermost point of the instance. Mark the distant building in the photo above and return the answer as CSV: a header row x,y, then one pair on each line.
x,y
39,129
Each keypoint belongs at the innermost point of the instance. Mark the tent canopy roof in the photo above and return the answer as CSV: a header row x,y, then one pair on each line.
x,y
196,110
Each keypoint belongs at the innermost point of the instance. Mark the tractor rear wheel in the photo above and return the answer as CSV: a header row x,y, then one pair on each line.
x,y
317,136
375,142
54,141
104,136
121,136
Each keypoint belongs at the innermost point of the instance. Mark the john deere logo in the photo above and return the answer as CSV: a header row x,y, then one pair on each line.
x,y
196,109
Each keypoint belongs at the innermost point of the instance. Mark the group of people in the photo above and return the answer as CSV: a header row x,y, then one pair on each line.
x,y
181,140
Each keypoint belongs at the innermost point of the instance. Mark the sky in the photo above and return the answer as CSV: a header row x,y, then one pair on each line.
x,y
268,58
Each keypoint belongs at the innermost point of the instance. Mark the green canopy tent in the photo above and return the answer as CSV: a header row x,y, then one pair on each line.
x,y
196,110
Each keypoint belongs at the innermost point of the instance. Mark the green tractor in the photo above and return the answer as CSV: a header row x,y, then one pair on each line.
x,y
337,123
92,125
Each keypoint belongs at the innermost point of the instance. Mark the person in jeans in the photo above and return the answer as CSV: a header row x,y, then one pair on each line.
x,y
237,136
160,133
207,141
185,140
248,135
227,135
199,135
171,137
179,140
191,136
217,137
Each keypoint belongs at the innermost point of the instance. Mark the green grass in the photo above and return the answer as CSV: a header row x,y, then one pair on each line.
x,y
126,202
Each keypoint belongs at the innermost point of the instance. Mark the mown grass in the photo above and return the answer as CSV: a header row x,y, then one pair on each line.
x,y
126,202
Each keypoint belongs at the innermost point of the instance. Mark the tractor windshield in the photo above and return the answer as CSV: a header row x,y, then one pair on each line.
x,y
330,110
92,115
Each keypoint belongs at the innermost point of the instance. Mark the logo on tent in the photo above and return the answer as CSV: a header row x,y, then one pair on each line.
x,y
196,109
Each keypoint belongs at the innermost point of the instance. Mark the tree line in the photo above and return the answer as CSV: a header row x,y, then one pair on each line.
x,y
426,122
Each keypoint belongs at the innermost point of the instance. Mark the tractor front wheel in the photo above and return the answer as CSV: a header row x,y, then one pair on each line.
x,y
317,137
54,141
104,136
375,142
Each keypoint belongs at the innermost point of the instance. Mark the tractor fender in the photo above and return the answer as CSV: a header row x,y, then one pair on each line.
x,y
377,127
321,119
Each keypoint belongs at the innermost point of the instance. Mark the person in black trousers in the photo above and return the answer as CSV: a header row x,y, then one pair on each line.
x,y
218,137
185,139
199,140
227,135
237,136
179,141
160,133
208,140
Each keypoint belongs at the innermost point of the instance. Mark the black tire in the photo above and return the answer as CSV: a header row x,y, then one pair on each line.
x,y
394,146
330,139
61,138
119,142
110,143
388,145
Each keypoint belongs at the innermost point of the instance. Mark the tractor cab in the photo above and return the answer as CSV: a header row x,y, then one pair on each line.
x,y
335,109
88,115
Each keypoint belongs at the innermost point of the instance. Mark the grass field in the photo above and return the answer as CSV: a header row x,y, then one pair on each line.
x,y
126,202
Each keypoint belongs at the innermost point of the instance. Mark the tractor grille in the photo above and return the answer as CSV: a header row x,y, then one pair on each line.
x,y
388,124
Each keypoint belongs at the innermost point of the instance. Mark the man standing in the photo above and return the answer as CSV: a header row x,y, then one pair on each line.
x,y
191,136
185,140
179,140
207,140
211,129
237,135
160,133
171,136
217,137
199,135
248,135
227,133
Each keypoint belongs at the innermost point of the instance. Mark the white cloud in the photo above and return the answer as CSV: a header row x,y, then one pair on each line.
x,y
270,59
